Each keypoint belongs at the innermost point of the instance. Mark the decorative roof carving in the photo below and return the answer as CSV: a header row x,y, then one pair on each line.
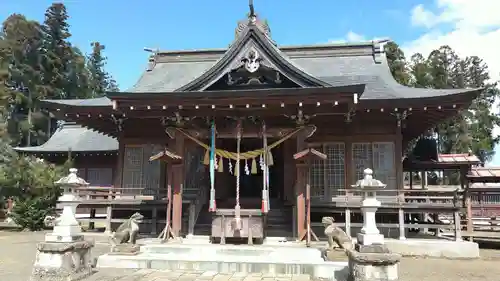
x,y
253,20
253,69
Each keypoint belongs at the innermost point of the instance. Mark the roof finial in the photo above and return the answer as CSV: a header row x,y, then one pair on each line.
x,y
251,15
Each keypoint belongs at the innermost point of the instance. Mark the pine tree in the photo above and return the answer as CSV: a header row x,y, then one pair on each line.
x,y
100,80
64,65
57,51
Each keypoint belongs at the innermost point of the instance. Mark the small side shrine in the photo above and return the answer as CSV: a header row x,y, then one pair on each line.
x,y
171,159
304,158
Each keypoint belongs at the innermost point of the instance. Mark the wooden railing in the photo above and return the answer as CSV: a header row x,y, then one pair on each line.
x,y
401,202
468,211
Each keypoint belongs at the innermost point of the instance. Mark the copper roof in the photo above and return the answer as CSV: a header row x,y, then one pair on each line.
x,y
484,172
458,158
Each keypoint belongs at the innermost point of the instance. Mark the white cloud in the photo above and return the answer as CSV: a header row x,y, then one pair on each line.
x,y
469,27
475,30
352,37
422,17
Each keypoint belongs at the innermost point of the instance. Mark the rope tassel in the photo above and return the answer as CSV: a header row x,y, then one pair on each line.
x,y
220,168
254,166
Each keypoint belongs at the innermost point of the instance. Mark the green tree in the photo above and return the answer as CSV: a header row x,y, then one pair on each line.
x,y
23,42
419,72
397,63
483,118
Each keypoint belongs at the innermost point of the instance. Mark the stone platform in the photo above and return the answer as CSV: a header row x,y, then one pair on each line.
x,y
436,248
270,260
168,275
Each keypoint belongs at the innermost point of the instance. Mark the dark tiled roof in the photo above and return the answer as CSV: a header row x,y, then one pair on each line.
x,y
334,64
75,138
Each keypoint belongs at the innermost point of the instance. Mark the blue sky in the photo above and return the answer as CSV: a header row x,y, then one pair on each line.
x,y
125,27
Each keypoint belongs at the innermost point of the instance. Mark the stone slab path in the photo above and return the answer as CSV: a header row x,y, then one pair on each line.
x,y
167,275
17,254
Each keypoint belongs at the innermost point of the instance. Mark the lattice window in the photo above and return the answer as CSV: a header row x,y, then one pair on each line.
x,y
361,159
335,168
151,170
140,176
195,168
384,168
328,176
317,178
100,176
379,156
82,173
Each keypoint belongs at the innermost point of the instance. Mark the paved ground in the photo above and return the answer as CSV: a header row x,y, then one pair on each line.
x,y
17,253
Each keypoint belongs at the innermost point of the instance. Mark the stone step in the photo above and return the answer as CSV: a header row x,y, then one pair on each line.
x,y
227,259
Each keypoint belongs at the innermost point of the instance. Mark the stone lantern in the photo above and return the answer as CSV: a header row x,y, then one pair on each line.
x,y
65,254
369,186
67,228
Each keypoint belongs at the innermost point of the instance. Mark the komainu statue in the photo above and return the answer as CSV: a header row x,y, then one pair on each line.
x,y
127,231
336,236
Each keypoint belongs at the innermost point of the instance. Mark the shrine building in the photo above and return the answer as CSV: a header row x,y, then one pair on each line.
x,y
237,116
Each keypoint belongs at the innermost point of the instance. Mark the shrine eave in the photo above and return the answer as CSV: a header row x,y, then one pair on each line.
x,y
75,139
244,93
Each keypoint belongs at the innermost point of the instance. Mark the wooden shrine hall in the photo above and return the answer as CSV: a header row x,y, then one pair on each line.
x,y
237,116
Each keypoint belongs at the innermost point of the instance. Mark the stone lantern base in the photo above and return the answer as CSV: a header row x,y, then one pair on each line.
x,y
58,261
373,263
370,238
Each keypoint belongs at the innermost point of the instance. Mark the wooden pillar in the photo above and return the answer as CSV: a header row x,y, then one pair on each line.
x,y
348,222
348,165
177,182
117,181
300,188
398,158
398,161
401,219
458,230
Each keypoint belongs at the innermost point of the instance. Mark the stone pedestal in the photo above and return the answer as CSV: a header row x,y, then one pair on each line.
x,y
370,234
58,261
373,263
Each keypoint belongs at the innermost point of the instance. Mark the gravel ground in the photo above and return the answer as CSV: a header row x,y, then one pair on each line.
x,y
17,253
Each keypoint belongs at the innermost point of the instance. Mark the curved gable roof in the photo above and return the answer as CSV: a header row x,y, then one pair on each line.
x,y
252,37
